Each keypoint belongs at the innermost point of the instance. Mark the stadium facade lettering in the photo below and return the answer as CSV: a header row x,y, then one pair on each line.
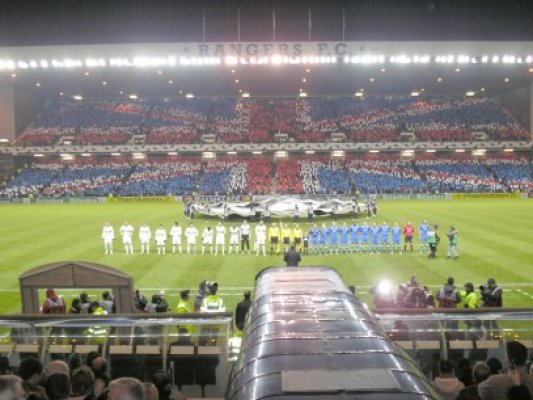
x,y
461,196
270,49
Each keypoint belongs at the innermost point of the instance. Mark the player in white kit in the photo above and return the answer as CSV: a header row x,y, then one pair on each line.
x,y
260,235
160,239
234,234
108,235
126,230
191,233
207,239
145,234
176,233
220,238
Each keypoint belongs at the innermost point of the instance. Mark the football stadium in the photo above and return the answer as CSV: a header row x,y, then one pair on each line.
x,y
266,199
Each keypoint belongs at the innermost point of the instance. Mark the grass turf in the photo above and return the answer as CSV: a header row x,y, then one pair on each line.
x,y
495,240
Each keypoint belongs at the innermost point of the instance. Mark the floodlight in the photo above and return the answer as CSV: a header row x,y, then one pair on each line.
x,y
430,151
470,93
208,154
303,94
281,154
359,94
459,150
133,97
189,95
508,150
415,94
485,59
38,155
309,152
338,153
232,153
384,288
245,95
85,154
4,140
495,59
43,64
77,97
115,154
373,151
407,153
257,152
172,153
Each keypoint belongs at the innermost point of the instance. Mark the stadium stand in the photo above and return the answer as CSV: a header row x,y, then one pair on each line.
x,y
262,120
169,175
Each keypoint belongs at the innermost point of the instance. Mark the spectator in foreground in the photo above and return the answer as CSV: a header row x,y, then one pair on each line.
x,y
446,384
5,369
151,391
11,388
480,372
292,257
31,373
496,387
58,386
126,388
81,386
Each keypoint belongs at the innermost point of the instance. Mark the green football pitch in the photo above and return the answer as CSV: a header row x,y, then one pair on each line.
x,y
495,240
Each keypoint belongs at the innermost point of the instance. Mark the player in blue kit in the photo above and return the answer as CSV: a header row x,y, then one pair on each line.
x,y
334,238
385,230
374,239
354,238
365,230
396,239
344,233
423,246
313,238
323,239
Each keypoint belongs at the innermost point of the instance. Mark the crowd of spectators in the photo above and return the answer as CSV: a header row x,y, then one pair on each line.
x,y
231,120
83,377
178,175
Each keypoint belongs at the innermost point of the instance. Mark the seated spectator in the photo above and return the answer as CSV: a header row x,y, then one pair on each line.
x,y
447,385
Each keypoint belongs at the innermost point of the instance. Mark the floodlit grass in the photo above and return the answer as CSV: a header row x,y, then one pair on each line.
x,y
495,240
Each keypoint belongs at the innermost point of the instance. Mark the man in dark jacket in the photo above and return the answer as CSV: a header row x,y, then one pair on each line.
x,y
292,257
242,310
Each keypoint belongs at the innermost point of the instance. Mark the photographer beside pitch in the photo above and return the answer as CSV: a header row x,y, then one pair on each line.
x,y
491,296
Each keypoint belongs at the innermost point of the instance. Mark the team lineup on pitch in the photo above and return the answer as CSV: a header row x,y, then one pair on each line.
x,y
324,239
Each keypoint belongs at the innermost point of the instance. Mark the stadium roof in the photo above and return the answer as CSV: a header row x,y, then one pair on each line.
x,y
59,22
270,68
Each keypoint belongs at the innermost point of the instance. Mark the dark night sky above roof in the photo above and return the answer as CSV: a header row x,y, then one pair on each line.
x,y
60,22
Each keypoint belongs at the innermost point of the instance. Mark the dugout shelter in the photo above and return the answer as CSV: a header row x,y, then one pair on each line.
x,y
75,274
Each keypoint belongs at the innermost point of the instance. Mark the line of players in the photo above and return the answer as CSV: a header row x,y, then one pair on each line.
x,y
334,239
